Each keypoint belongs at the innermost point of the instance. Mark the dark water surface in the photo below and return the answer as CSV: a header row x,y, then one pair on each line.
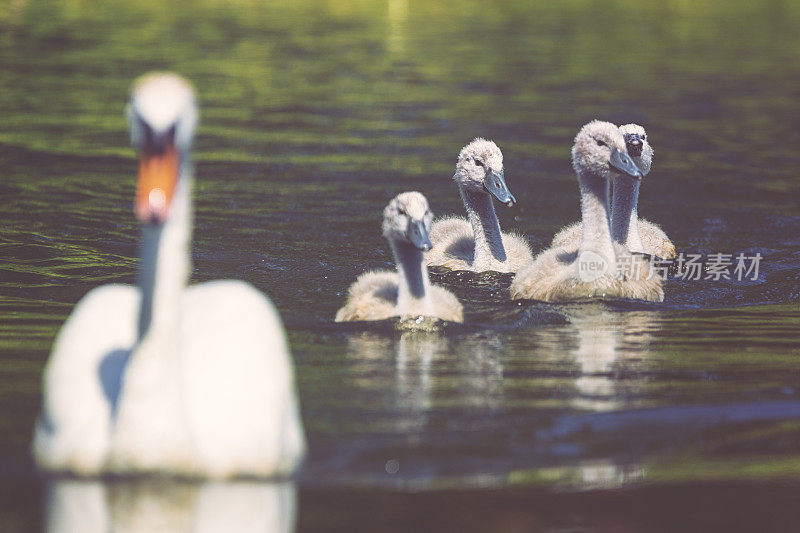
x,y
682,415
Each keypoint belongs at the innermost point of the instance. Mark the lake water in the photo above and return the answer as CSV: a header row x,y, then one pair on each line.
x,y
677,416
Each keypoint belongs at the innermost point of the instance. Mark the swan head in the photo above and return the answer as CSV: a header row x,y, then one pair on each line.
x,y
162,117
600,149
638,148
408,218
480,169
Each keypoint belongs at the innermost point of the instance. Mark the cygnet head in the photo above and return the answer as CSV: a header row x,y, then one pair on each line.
x,y
638,148
162,117
408,218
480,169
600,149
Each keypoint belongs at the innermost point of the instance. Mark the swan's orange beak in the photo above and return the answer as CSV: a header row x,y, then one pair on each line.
x,y
158,174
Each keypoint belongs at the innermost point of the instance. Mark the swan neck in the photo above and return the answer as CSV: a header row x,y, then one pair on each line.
x,y
413,291
624,215
151,429
166,261
596,235
483,219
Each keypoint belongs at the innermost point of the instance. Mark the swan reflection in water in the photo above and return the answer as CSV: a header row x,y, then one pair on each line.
x,y
427,385
599,345
603,344
426,375
467,370
150,505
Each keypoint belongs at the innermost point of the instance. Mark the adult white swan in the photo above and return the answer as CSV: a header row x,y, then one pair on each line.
x,y
165,378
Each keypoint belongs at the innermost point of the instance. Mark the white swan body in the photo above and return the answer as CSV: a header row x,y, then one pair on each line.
x,y
476,243
165,378
80,382
378,295
638,234
596,267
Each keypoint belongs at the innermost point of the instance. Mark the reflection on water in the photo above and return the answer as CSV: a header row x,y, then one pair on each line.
x,y
607,475
450,383
607,399
602,345
159,505
596,354
398,33
603,342
411,355
600,342
414,355
427,375
314,112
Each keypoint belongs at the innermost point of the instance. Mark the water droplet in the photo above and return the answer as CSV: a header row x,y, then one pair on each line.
x,y
392,466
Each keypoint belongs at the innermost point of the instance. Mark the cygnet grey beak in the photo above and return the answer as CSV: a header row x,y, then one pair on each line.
x,y
495,183
418,235
623,162
634,144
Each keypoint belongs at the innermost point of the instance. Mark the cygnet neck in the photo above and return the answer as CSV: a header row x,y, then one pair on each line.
x,y
489,247
413,291
624,213
596,233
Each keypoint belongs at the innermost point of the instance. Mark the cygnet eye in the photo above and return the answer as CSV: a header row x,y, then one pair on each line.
x,y
479,162
600,143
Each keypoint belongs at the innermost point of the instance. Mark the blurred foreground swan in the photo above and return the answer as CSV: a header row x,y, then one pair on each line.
x,y
477,244
163,377
381,294
596,267
637,234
